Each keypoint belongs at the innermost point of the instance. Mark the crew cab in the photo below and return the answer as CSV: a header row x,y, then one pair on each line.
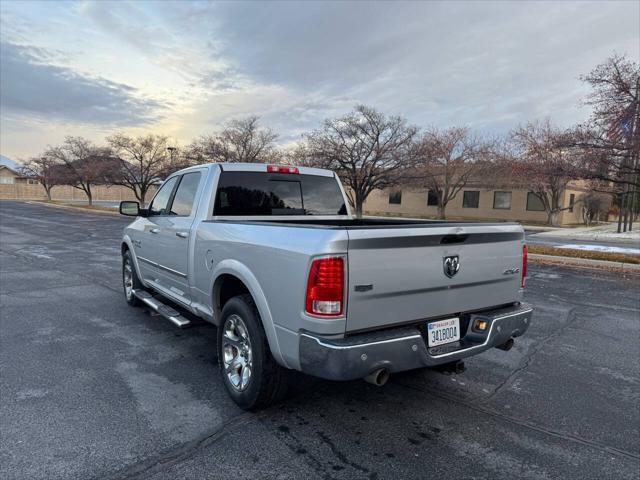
x,y
272,256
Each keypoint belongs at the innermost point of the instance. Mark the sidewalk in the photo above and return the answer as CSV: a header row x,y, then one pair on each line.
x,y
606,232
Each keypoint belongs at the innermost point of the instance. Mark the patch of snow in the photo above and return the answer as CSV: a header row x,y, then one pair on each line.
x,y
603,234
600,232
31,393
602,248
552,276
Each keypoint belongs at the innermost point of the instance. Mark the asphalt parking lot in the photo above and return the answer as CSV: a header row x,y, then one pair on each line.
x,y
92,388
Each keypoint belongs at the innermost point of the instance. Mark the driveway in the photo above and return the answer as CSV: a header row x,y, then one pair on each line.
x,y
92,388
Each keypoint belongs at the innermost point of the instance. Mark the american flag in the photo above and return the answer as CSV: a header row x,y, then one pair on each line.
x,y
621,126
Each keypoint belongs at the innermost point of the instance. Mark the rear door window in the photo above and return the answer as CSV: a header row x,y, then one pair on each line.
x,y
184,199
260,193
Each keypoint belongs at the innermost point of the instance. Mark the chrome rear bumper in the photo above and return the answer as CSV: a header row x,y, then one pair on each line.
x,y
405,348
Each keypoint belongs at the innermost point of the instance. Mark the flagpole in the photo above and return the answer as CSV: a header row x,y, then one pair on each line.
x,y
628,166
635,147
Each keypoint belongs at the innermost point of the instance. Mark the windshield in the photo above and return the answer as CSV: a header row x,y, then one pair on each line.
x,y
261,193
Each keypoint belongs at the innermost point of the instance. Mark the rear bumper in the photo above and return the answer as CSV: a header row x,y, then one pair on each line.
x,y
405,348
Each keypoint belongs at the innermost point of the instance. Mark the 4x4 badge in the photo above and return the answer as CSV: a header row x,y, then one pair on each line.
x,y
451,265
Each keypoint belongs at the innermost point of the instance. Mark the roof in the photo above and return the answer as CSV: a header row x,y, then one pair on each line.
x,y
258,167
11,164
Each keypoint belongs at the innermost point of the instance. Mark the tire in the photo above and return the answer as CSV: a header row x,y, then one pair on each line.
x,y
130,280
242,343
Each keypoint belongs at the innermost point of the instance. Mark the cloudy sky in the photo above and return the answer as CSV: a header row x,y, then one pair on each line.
x,y
94,67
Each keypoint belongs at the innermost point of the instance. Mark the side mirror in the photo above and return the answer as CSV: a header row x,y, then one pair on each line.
x,y
130,209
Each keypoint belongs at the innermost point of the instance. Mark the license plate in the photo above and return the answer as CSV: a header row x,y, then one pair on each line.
x,y
443,331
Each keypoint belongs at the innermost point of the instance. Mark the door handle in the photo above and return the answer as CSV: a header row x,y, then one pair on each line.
x,y
182,234
155,230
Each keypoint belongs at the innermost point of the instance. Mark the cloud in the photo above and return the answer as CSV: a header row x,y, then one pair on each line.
x,y
488,65
31,86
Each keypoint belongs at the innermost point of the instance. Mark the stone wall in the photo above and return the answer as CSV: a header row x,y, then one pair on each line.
x,y
25,191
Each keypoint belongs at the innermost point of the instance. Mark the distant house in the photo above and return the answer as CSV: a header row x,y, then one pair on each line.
x,y
10,173
480,200
10,176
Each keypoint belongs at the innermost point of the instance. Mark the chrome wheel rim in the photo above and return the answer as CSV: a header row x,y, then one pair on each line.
x,y
127,279
237,356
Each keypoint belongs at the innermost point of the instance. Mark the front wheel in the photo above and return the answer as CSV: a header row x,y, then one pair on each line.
x,y
250,373
130,280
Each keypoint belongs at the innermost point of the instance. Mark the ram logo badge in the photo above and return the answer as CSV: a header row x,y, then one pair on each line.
x,y
451,265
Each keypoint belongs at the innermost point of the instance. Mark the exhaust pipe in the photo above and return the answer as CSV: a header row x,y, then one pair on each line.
x,y
378,377
506,346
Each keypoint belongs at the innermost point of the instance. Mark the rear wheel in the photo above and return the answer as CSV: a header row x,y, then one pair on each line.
x,y
130,280
250,373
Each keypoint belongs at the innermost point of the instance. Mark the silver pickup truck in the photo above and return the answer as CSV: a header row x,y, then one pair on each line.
x,y
272,256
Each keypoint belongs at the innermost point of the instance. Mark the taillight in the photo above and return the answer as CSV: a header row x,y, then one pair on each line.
x,y
524,266
325,287
281,169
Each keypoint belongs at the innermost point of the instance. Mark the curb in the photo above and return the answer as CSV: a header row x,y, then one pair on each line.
x,y
585,262
70,207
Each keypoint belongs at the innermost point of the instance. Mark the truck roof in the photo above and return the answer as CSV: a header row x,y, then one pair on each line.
x,y
260,167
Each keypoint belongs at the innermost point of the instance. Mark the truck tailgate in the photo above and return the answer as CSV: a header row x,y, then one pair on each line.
x,y
397,275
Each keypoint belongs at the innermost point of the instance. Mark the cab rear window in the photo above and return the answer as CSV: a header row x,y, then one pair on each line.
x,y
260,193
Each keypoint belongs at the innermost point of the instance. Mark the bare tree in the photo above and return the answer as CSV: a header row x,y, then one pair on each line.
x,y
296,154
85,164
545,164
369,150
593,204
614,86
446,160
240,140
142,162
46,170
612,135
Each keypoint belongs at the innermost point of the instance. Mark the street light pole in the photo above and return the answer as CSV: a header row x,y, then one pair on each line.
x,y
171,150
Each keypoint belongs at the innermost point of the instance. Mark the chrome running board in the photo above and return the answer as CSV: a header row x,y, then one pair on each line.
x,y
163,310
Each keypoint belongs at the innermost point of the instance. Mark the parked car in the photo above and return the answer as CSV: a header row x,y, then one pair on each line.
x,y
272,256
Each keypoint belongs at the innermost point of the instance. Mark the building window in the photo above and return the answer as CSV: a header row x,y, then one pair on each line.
x,y
31,181
6,180
502,200
572,201
395,197
432,198
470,199
534,203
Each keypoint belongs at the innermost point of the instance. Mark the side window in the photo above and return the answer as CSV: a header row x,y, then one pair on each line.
x,y
470,199
534,203
185,196
395,197
161,200
432,198
502,200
